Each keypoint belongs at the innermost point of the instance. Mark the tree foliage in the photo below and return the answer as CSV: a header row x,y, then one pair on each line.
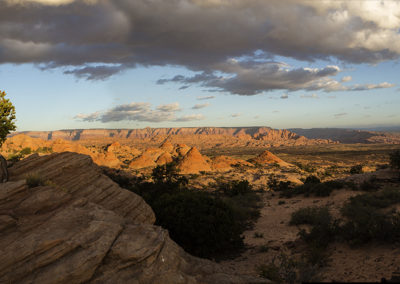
x,y
395,159
7,117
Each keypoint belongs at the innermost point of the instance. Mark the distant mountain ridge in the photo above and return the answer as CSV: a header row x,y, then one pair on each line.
x,y
349,136
203,137
243,136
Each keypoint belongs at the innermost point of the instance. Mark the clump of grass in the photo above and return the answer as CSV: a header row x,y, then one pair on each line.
x,y
310,216
357,169
312,186
35,180
263,248
270,271
258,235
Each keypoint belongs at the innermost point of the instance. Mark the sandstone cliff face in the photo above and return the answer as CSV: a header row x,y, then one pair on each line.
x,y
82,227
21,141
204,135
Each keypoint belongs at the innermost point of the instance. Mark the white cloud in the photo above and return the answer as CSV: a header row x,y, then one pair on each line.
x,y
312,96
136,111
200,98
200,106
338,115
346,79
190,117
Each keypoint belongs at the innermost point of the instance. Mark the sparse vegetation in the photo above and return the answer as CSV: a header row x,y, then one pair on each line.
x,y
26,151
357,169
258,235
35,180
311,186
395,159
206,224
289,270
367,222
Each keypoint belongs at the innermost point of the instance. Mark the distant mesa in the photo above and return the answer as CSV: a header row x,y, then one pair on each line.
x,y
197,136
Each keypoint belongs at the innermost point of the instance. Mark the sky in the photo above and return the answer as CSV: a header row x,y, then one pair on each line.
x,y
68,64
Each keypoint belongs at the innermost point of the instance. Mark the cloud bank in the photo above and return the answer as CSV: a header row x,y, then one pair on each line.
x,y
139,111
95,39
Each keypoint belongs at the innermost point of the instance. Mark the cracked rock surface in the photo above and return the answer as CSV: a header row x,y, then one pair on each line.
x,y
81,227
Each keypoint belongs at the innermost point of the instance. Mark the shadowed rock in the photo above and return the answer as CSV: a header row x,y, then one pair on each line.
x,y
82,227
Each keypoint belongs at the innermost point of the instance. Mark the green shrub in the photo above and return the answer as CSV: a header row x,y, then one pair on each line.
x,y
323,227
357,169
14,157
26,151
312,187
34,180
395,159
310,216
235,188
205,224
44,150
365,220
202,225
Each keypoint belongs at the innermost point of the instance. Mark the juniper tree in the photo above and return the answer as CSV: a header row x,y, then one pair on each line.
x,y
7,117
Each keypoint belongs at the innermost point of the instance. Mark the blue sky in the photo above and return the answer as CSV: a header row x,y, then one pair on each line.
x,y
284,84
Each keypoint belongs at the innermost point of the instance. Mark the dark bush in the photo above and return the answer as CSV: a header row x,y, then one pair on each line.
x,y
395,159
235,188
357,169
34,180
365,220
323,227
312,188
15,157
369,185
202,225
310,216
312,179
205,224
26,151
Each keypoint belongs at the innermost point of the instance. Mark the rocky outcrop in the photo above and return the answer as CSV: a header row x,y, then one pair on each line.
x,y
81,227
20,142
267,158
225,163
193,163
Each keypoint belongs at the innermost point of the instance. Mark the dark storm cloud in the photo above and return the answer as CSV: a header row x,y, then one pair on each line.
x,y
251,78
95,39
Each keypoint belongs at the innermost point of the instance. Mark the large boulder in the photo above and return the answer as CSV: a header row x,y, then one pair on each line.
x,y
81,227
